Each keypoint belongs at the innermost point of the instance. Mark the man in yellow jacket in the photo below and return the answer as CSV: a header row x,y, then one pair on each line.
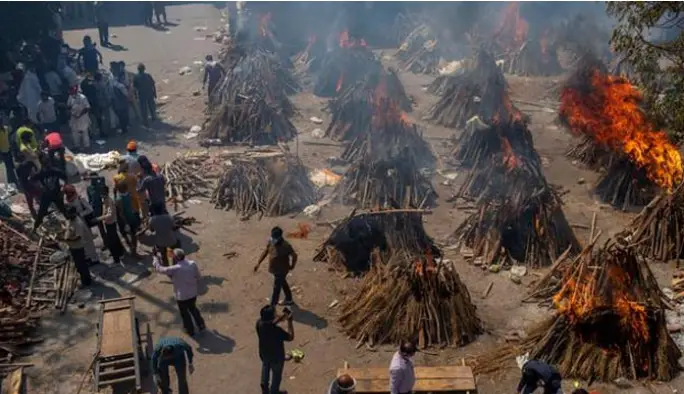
x,y
27,143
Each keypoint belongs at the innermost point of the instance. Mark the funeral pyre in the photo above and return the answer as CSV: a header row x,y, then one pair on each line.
x,y
267,184
189,176
526,51
344,65
355,107
658,231
419,52
388,232
609,323
417,297
481,90
251,104
606,110
34,275
311,58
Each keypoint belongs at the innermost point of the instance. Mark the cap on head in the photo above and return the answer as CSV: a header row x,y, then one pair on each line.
x,y
132,146
267,313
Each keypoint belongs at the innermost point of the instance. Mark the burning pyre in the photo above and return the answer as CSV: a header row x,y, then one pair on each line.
x,y
394,231
480,91
252,104
419,53
311,58
527,52
272,184
343,66
606,109
411,297
609,323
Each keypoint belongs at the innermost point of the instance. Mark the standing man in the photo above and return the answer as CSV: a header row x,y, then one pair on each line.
x,y
171,351
6,154
402,374
89,55
272,340
79,119
120,104
76,232
152,183
537,373
185,276
53,147
104,94
48,178
47,114
128,216
162,225
160,12
213,72
147,93
282,260
148,9
102,21
109,216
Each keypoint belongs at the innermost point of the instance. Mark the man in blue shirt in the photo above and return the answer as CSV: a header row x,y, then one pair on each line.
x,y
171,351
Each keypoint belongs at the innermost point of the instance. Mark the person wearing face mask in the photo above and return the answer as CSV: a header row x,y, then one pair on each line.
x,y
402,373
282,260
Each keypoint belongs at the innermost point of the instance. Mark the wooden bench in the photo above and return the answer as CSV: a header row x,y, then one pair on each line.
x,y
444,379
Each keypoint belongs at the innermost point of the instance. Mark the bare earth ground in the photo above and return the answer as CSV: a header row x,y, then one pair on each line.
x,y
227,359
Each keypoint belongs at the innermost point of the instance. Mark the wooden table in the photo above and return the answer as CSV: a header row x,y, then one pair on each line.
x,y
451,379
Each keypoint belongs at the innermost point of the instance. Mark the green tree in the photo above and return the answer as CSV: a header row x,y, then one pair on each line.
x,y
658,60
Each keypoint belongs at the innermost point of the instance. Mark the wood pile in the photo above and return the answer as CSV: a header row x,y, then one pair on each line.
x,y
440,84
386,180
311,58
404,24
609,323
419,52
479,91
411,297
536,58
658,231
187,177
268,185
530,230
624,186
388,232
251,121
594,156
343,67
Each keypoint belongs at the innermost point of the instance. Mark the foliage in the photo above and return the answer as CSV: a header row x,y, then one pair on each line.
x,y
658,63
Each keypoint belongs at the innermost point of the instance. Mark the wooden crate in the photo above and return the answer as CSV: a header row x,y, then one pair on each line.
x,y
443,379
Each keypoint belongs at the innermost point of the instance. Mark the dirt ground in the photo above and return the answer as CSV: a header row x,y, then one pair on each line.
x,y
227,358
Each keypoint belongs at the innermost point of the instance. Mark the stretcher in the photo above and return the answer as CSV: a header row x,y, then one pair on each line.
x,y
442,379
120,359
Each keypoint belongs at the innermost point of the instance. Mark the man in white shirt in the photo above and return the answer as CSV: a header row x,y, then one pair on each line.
x,y
402,374
79,119
47,115
185,276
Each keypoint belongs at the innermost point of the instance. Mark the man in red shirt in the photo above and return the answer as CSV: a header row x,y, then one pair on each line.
x,y
54,149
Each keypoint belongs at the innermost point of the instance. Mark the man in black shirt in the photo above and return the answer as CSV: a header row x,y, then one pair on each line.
x,y
51,191
272,347
90,56
537,373
147,93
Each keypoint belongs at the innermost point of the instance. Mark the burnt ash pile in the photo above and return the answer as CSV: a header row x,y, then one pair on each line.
x,y
420,52
479,91
415,297
609,322
252,104
390,178
343,66
390,232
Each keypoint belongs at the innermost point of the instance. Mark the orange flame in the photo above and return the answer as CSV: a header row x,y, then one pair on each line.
x,y
264,21
609,112
302,231
512,25
346,42
509,158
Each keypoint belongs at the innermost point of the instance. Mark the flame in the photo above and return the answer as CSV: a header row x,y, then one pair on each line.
x,y
512,25
346,42
509,158
386,110
580,298
264,21
426,266
340,81
609,112
302,231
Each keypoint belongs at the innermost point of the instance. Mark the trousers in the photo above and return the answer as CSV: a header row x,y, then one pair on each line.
x,y
164,382
81,138
280,283
79,257
189,313
271,372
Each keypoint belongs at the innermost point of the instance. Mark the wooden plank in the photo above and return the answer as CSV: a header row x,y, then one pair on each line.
x,y
116,336
13,383
116,299
104,383
125,360
111,372
457,372
422,385
33,272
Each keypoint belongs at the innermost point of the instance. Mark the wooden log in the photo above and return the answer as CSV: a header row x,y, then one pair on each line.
x,y
33,272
